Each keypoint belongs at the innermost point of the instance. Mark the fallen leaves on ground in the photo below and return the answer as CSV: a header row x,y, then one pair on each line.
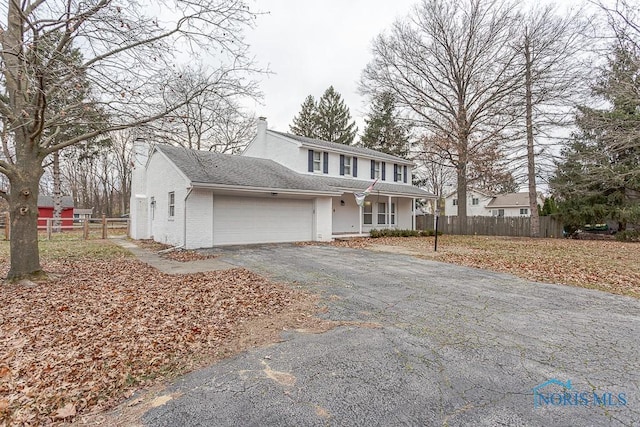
x,y
606,265
182,255
85,340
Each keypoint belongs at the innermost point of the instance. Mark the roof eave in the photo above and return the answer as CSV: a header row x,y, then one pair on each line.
x,y
246,189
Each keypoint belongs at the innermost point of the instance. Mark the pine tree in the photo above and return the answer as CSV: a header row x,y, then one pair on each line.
x,y
334,119
599,176
383,131
306,122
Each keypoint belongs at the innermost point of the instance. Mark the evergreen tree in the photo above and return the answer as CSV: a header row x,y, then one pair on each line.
x,y
334,119
384,131
599,176
306,122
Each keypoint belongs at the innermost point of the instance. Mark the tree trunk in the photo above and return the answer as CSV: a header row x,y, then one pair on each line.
x,y
531,166
57,193
23,205
461,171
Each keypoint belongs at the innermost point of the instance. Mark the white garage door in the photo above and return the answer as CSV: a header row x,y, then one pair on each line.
x,y
241,220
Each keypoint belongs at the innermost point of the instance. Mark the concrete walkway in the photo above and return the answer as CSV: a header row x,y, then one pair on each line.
x,y
173,267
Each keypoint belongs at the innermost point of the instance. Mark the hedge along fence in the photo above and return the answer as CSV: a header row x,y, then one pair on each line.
x,y
75,228
515,226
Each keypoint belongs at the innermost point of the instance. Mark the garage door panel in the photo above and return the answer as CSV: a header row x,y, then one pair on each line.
x,y
243,220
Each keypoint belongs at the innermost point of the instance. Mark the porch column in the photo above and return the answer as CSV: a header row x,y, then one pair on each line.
x,y
360,215
413,213
389,212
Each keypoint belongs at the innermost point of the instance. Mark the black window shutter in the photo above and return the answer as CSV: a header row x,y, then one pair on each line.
x,y
341,164
395,172
326,162
405,174
310,160
355,167
373,169
384,171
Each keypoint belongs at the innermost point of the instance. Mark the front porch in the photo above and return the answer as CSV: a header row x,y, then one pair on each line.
x,y
380,211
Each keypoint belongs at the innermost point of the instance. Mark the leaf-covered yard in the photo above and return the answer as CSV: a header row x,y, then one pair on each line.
x,y
106,324
606,265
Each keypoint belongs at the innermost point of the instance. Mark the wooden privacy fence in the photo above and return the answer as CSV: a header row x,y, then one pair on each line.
x,y
517,226
80,227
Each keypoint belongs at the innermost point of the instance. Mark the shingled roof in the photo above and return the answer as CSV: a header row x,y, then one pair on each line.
x,y
358,151
205,167
509,200
47,201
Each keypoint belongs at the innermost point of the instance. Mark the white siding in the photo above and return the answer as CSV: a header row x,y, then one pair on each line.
x,y
163,177
200,219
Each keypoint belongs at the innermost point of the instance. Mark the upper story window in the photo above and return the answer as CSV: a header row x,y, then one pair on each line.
x,y
475,201
524,211
376,170
172,204
397,173
347,165
317,161
455,202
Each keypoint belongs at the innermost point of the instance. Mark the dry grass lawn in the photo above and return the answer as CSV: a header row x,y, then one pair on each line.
x,y
105,325
606,265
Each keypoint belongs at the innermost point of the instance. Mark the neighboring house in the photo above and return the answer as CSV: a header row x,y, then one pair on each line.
x,y
81,214
511,204
483,204
283,188
476,205
45,210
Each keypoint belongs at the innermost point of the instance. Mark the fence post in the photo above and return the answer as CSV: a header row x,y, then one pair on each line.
x,y
85,230
49,226
104,226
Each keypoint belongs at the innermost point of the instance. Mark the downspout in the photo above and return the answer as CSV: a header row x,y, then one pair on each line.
x,y
184,219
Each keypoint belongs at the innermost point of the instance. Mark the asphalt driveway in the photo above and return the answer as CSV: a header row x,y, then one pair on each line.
x,y
428,344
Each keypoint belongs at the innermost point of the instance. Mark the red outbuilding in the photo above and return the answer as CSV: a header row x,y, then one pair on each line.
x,y
45,210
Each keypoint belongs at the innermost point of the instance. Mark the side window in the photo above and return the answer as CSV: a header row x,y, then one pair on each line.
x,y
172,204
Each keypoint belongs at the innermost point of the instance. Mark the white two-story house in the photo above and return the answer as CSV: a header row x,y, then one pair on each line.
x,y
283,188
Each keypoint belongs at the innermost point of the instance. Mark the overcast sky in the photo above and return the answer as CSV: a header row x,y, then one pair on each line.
x,y
310,45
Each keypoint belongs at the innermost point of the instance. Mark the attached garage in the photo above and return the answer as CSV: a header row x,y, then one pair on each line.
x,y
243,220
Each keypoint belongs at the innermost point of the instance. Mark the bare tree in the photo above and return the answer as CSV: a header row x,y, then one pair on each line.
x,y
129,59
450,66
213,120
549,46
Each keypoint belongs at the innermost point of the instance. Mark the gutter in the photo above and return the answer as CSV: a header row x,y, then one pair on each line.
x,y
266,190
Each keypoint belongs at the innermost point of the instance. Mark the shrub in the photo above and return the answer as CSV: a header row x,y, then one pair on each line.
x,y
388,232
628,236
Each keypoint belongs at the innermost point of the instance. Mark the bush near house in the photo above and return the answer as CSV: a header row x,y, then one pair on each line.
x,y
387,232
